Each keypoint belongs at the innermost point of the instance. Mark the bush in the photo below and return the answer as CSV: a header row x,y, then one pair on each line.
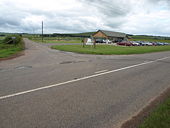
x,y
13,39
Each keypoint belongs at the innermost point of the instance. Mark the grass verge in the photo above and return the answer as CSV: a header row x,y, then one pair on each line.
x,y
7,50
159,118
109,49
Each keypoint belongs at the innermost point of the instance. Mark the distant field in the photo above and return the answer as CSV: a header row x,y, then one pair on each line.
x,y
111,50
57,40
2,37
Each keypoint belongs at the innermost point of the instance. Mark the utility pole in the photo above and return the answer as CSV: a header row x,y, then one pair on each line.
x,y
42,31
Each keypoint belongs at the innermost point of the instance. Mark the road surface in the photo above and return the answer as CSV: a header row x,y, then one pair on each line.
x,y
47,88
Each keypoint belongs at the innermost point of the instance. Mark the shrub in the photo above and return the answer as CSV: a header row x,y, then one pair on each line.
x,y
13,39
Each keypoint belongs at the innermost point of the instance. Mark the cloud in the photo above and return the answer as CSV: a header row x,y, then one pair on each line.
x,y
135,17
110,7
112,13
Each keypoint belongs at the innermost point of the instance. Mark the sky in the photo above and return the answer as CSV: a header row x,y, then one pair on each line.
x,y
144,17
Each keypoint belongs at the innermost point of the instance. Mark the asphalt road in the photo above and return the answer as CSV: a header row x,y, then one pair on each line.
x,y
47,88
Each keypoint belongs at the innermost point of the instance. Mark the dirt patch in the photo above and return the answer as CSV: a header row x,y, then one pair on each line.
x,y
13,56
136,120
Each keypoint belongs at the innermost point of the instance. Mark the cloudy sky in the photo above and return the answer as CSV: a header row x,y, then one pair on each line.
x,y
66,16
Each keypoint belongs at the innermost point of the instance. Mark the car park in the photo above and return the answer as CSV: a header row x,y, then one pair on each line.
x,y
141,43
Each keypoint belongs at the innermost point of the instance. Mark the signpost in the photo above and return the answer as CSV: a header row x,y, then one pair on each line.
x,y
94,41
42,31
13,39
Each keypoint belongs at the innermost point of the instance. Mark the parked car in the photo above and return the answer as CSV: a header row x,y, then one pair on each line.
x,y
103,41
108,41
100,41
134,43
166,43
140,43
160,43
143,43
148,43
125,43
154,43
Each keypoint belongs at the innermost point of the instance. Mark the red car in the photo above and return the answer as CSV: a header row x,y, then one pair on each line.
x,y
125,43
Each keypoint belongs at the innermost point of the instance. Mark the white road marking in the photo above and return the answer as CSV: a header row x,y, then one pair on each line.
x,y
101,71
79,79
163,58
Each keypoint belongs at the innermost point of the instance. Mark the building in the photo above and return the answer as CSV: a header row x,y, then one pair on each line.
x,y
113,36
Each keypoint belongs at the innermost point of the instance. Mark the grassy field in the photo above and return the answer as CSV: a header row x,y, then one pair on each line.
x,y
6,50
56,39
109,49
159,118
2,37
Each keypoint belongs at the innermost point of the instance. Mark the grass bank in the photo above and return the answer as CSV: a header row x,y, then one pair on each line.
x,y
7,50
159,118
111,50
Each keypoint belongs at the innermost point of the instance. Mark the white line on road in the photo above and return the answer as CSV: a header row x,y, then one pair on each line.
x,y
162,58
101,71
79,79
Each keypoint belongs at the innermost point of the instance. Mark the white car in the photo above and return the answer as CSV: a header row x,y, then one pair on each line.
x,y
147,44
135,43
108,41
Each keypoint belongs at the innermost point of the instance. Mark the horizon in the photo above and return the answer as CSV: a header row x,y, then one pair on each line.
x,y
78,33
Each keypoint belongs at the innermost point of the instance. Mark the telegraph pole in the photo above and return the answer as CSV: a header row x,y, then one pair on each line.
x,y
42,31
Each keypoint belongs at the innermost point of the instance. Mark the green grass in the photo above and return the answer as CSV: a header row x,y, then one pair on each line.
x,y
159,118
7,50
57,41
109,49
2,37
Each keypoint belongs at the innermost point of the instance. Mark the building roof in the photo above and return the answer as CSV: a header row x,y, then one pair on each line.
x,y
113,34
